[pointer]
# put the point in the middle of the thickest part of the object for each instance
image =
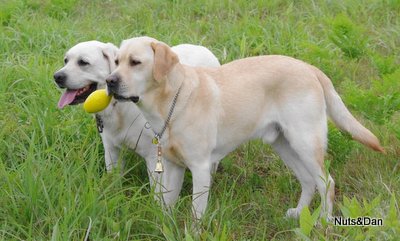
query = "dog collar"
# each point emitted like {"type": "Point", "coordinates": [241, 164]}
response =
{"type": "Point", "coordinates": [99, 124]}
{"type": "Point", "coordinates": [158, 136]}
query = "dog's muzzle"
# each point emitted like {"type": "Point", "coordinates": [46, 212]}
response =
{"type": "Point", "coordinates": [112, 84]}
{"type": "Point", "coordinates": [60, 78]}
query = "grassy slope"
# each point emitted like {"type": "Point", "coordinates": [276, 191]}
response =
{"type": "Point", "coordinates": [51, 163]}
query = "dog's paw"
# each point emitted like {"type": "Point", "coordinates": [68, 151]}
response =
{"type": "Point", "coordinates": [293, 213]}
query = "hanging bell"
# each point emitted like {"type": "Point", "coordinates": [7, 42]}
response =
{"type": "Point", "coordinates": [159, 167]}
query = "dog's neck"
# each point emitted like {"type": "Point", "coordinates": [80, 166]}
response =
{"type": "Point", "coordinates": [156, 103]}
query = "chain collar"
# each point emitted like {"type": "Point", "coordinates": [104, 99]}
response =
{"type": "Point", "coordinates": [158, 136]}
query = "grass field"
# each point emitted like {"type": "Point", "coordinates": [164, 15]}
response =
{"type": "Point", "coordinates": [53, 184]}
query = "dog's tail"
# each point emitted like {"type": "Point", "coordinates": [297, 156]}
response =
{"type": "Point", "coordinates": [342, 117]}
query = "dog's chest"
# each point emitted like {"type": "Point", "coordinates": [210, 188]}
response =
{"type": "Point", "coordinates": [173, 152]}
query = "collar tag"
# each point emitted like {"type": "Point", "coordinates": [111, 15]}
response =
{"type": "Point", "coordinates": [155, 140]}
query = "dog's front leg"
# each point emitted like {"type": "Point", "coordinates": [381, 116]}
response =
{"type": "Point", "coordinates": [111, 154]}
{"type": "Point", "coordinates": [201, 175]}
{"type": "Point", "coordinates": [172, 180]}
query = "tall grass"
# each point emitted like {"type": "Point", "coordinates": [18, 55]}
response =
{"type": "Point", "coordinates": [53, 183]}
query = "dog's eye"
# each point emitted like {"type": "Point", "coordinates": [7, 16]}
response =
{"type": "Point", "coordinates": [116, 62]}
{"type": "Point", "coordinates": [82, 62]}
{"type": "Point", "coordinates": [134, 62]}
{"type": "Point", "coordinates": [65, 61]}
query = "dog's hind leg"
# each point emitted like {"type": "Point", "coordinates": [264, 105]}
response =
{"type": "Point", "coordinates": [292, 160]}
{"type": "Point", "coordinates": [309, 142]}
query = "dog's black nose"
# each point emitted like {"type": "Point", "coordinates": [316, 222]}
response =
{"type": "Point", "coordinates": [112, 82]}
{"type": "Point", "coordinates": [60, 78]}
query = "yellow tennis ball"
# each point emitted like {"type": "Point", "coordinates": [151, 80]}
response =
{"type": "Point", "coordinates": [97, 101]}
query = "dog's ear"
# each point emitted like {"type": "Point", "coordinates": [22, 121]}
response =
{"type": "Point", "coordinates": [164, 60]}
{"type": "Point", "coordinates": [110, 52]}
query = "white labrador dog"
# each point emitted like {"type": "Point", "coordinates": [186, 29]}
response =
{"type": "Point", "coordinates": [87, 65]}
{"type": "Point", "coordinates": [279, 99]}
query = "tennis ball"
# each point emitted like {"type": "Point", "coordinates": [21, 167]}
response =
{"type": "Point", "coordinates": [97, 101]}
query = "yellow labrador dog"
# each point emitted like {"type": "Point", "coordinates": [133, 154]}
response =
{"type": "Point", "coordinates": [87, 65]}
{"type": "Point", "coordinates": [279, 99]}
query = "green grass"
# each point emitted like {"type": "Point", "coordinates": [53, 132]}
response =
{"type": "Point", "coordinates": [52, 174]}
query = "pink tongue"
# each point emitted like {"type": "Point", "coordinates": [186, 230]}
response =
{"type": "Point", "coordinates": [67, 98]}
